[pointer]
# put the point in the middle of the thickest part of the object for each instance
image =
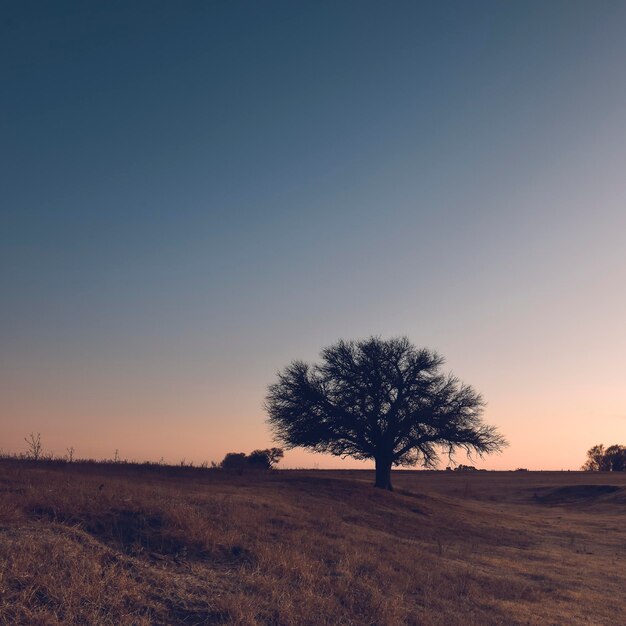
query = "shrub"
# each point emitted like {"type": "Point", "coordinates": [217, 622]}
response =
{"type": "Point", "coordinates": [257, 459]}
{"type": "Point", "coordinates": [234, 461]}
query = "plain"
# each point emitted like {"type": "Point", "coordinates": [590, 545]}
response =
{"type": "Point", "coordinates": [118, 544]}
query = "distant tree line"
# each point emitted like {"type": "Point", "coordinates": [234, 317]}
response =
{"type": "Point", "coordinates": [464, 468]}
{"type": "Point", "coordinates": [260, 459]}
{"type": "Point", "coordinates": [601, 459]}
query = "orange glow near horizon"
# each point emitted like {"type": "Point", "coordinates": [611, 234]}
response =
{"type": "Point", "coordinates": [546, 431]}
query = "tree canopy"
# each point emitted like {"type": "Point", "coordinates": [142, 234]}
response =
{"type": "Point", "coordinates": [379, 399]}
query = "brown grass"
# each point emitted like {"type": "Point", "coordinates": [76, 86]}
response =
{"type": "Point", "coordinates": [102, 545]}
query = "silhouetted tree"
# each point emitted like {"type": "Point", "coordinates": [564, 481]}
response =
{"type": "Point", "coordinates": [615, 458]}
{"type": "Point", "coordinates": [601, 459]}
{"type": "Point", "coordinates": [234, 461]}
{"type": "Point", "coordinates": [595, 458]}
{"type": "Point", "coordinates": [265, 459]}
{"type": "Point", "coordinates": [35, 447]}
{"type": "Point", "coordinates": [257, 459]}
{"type": "Point", "coordinates": [378, 399]}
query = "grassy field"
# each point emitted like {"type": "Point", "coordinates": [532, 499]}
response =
{"type": "Point", "coordinates": [124, 545]}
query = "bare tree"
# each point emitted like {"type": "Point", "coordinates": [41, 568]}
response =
{"type": "Point", "coordinates": [35, 449]}
{"type": "Point", "coordinates": [379, 399]}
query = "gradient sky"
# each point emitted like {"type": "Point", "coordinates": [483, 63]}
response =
{"type": "Point", "coordinates": [193, 194]}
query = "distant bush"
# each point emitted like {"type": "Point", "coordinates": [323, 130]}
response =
{"type": "Point", "coordinates": [465, 468]}
{"type": "Point", "coordinates": [234, 461]}
{"type": "Point", "coordinates": [521, 469]}
{"type": "Point", "coordinates": [257, 459]}
{"type": "Point", "coordinates": [265, 459]}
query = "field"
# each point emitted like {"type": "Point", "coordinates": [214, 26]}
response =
{"type": "Point", "coordinates": [91, 544]}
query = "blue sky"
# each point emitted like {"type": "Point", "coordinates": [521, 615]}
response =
{"type": "Point", "coordinates": [195, 194]}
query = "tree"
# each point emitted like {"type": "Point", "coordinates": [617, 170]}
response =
{"type": "Point", "coordinates": [378, 399]}
{"type": "Point", "coordinates": [601, 459]}
{"type": "Point", "coordinates": [595, 459]}
{"type": "Point", "coordinates": [265, 459]}
{"type": "Point", "coordinates": [615, 458]}
{"type": "Point", "coordinates": [35, 448]}
{"type": "Point", "coordinates": [234, 461]}
{"type": "Point", "coordinates": [257, 459]}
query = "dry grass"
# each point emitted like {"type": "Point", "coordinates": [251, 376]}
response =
{"type": "Point", "coordinates": [102, 545]}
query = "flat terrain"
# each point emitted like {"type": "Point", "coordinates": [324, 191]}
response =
{"type": "Point", "coordinates": [96, 544]}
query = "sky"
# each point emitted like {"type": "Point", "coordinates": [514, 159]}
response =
{"type": "Point", "coordinates": [194, 194]}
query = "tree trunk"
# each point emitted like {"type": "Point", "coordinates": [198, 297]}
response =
{"type": "Point", "coordinates": [383, 474]}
